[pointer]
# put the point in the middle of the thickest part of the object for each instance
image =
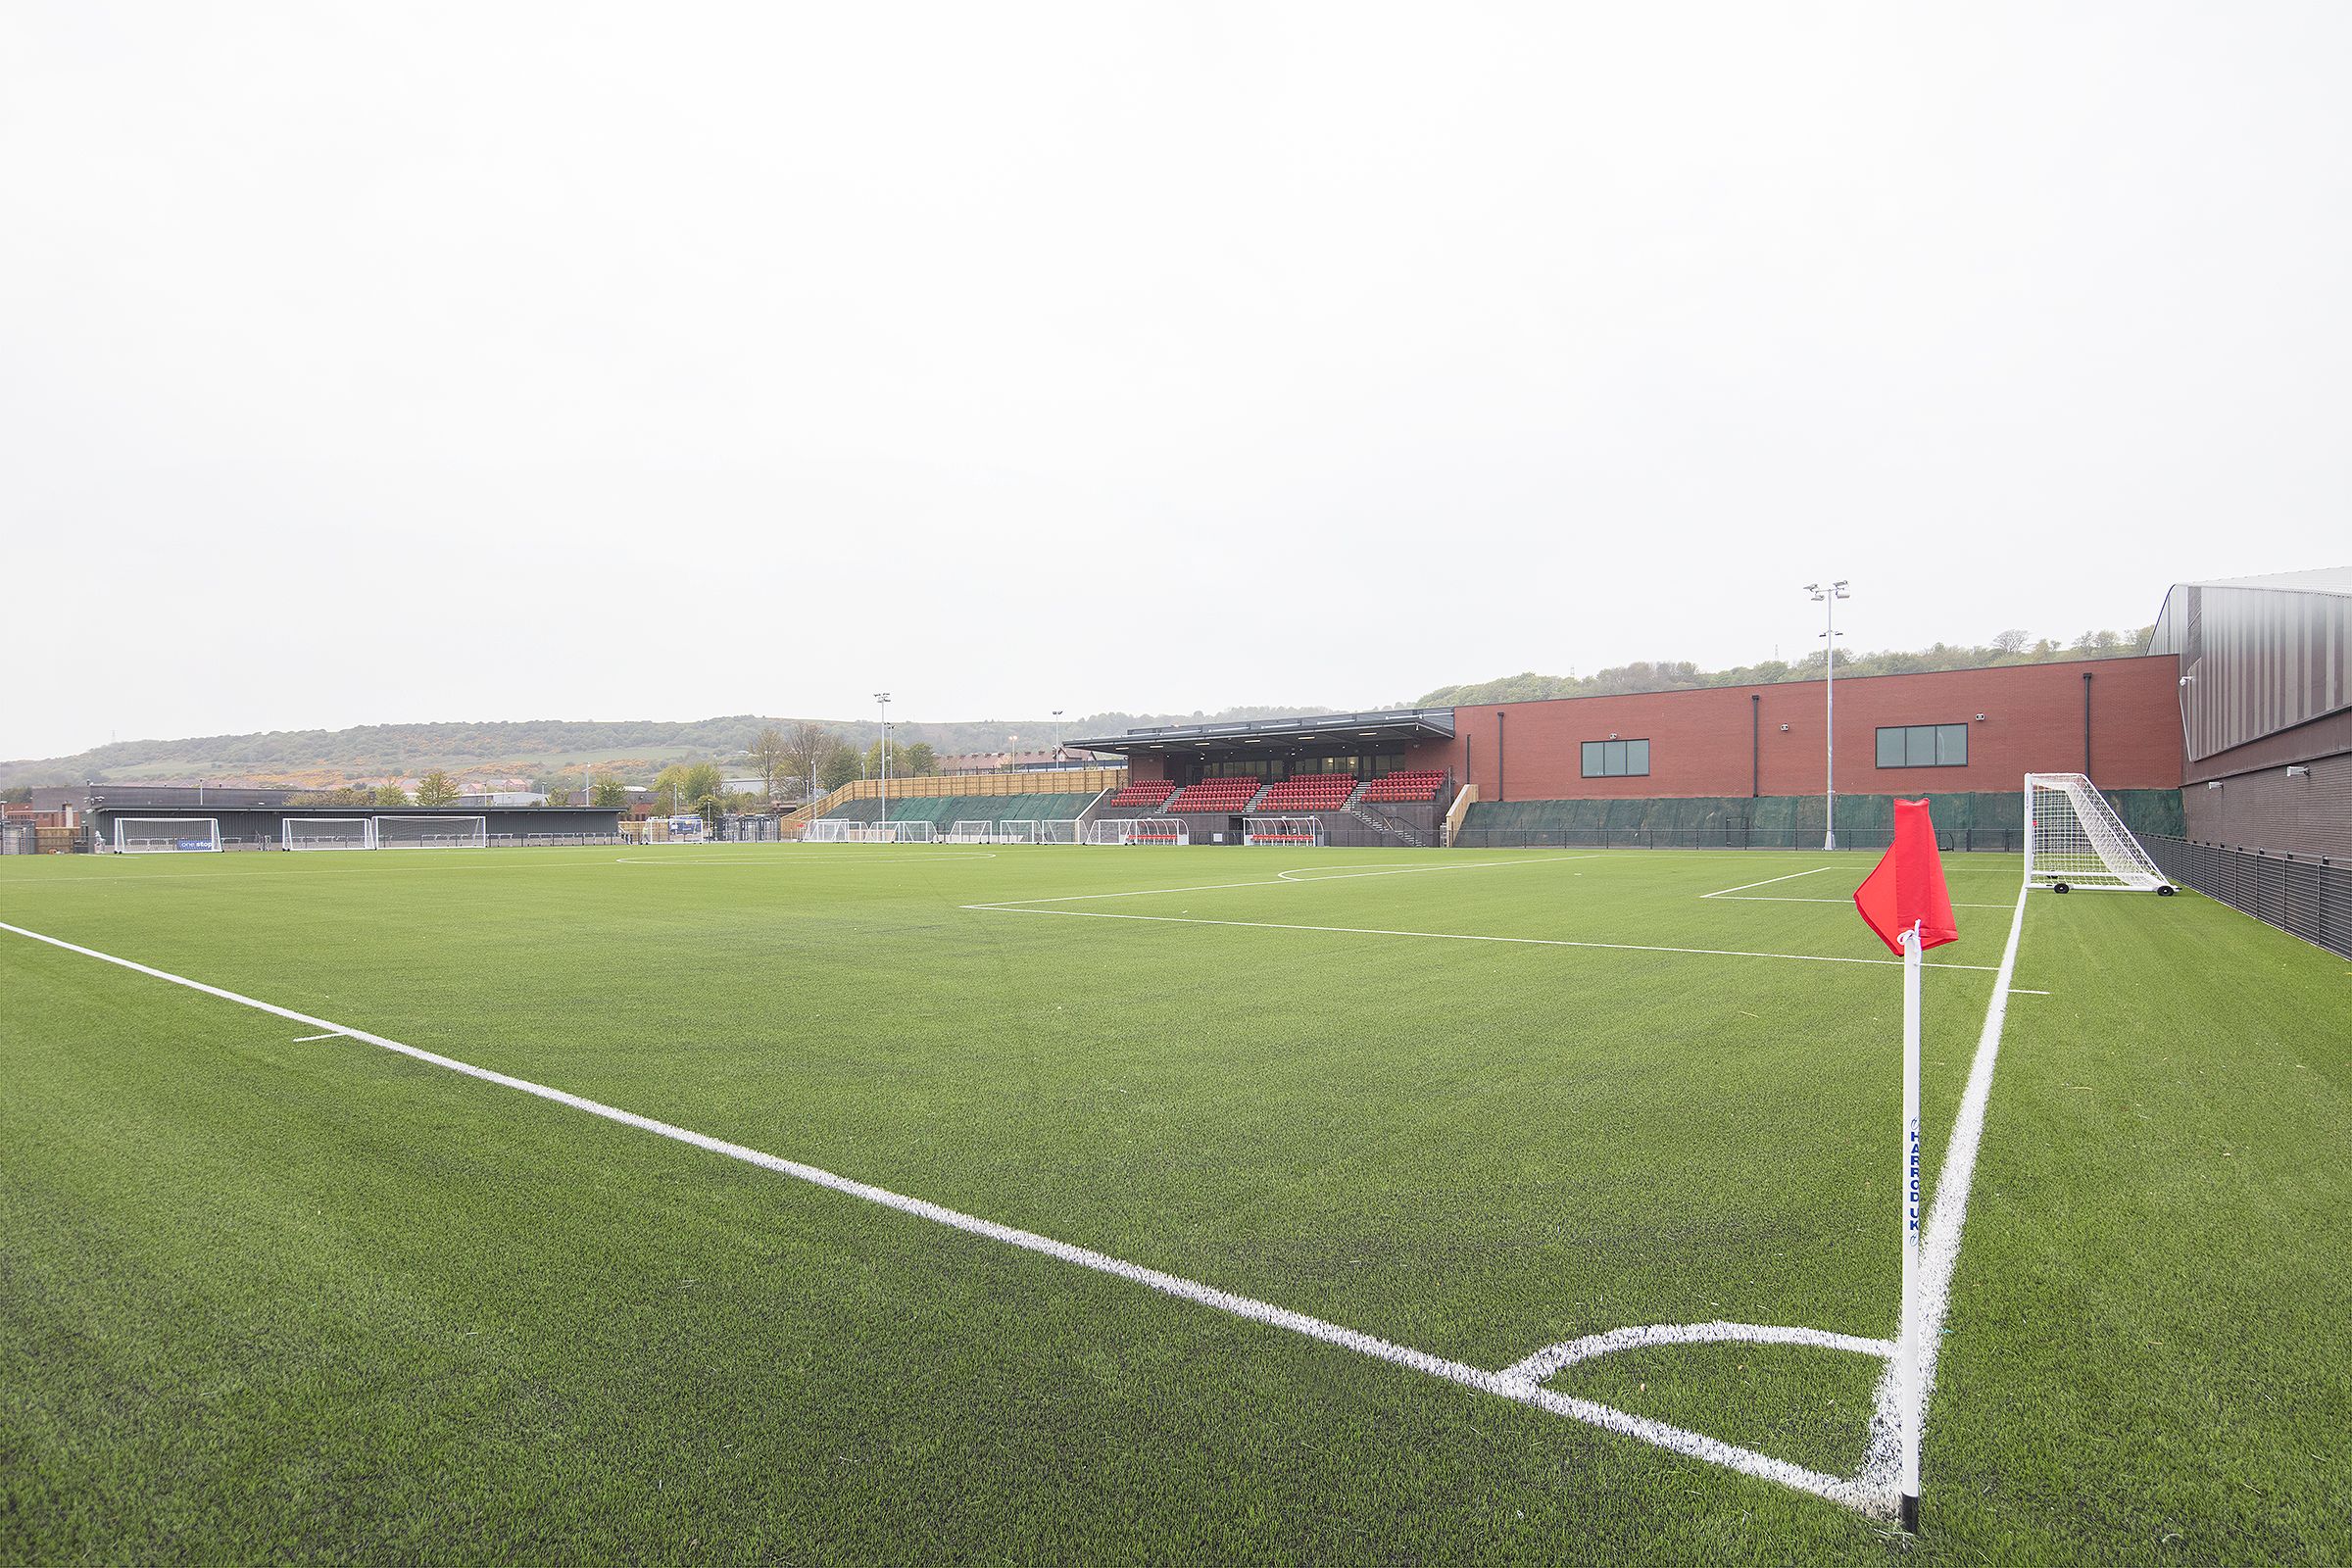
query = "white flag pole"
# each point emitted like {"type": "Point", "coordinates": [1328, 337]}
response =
{"type": "Point", "coordinates": [1908, 1347]}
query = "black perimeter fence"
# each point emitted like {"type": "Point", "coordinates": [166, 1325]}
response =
{"type": "Point", "coordinates": [2305, 896]}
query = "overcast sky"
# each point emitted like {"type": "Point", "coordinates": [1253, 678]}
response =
{"type": "Point", "coordinates": [403, 361]}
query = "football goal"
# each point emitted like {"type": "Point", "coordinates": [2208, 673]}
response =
{"type": "Point", "coordinates": [166, 835]}
{"type": "Point", "coordinates": [825, 830]}
{"type": "Point", "coordinates": [432, 833]}
{"type": "Point", "coordinates": [893, 833]}
{"type": "Point", "coordinates": [2074, 840]}
{"type": "Point", "coordinates": [1151, 830]}
{"type": "Point", "coordinates": [1057, 830]}
{"type": "Point", "coordinates": [1282, 830]}
{"type": "Point", "coordinates": [971, 832]}
{"type": "Point", "coordinates": [328, 833]}
{"type": "Point", "coordinates": [1019, 831]}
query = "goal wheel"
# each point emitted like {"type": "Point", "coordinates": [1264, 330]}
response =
{"type": "Point", "coordinates": [2164, 890]}
{"type": "Point", "coordinates": [2060, 887]}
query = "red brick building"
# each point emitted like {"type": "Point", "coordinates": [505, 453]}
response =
{"type": "Point", "coordinates": [2117, 719]}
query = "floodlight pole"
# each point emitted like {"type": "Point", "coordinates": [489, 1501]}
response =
{"type": "Point", "coordinates": [884, 699]}
{"type": "Point", "coordinates": [1828, 594]}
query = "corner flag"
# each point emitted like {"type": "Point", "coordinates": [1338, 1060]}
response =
{"type": "Point", "coordinates": [1903, 900]}
{"type": "Point", "coordinates": [1907, 888]}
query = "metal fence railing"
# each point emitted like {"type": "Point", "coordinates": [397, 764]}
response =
{"type": "Point", "coordinates": [2305, 896]}
{"type": "Point", "coordinates": [1992, 841]}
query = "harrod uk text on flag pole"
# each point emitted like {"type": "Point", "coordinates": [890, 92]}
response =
{"type": "Point", "coordinates": [1904, 901]}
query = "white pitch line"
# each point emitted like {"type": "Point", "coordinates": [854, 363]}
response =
{"type": "Point", "coordinates": [1853, 1494]}
{"type": "Point", "coordinates": [1280, 879]}
{"type": "Point", "coordinates": [1767, 882]}
{"type": "Point", "coordinates": [1940, 1247]}
{"type": "Point", "coordinates": [332, 1034]}
{"type": "Point", "coordinates": [1553, 1359]}
{"type": "Point", "coordinates": [1777, 897]}
{"type": "Point", "coordinates": [1457, 936]}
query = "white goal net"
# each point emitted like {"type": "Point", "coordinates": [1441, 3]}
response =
{"type": "Point", "coordinates": [328, 833]}
{"type": "Point", "coordinates": [1151, 830]}
{"type": "Point", "coordinates": [1282, 830]}
{"type": "Point", "coordinates": [971, 832]}
{"type": "Point", "coordinates": [825, 830]}
{"type": "Point", "coordinates": [2074, 840]}
{"type": "Point", "coordinates": [1057, 830]}
{"type": "Point", "coordinates": [430, 832]}
{"type": "Point", "coordinates": [166, 835]}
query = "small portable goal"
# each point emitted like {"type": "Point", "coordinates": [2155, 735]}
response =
{"type": "Point", "coordinates": [167, 835]}
{"type": "Point", "coordinates": [2074, 840]}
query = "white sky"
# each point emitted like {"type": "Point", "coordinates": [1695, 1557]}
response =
{"type": "Point", "coordinates": [397, 362]}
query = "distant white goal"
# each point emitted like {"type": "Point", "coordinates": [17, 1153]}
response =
{"type": "Point", "coordinates": [969, 831]}
{"type": "Point", "coordinates": [1293, 830]}
{"type": "Point", "coordinates": [167, 835]}
{"type": "Point", "coordinates": [2074, 840]}
{"type": "Point", "coordinates": [432, 833]}
{"type": "Point", "coordinates": [1057, 830]}
{"type": "Point", "coordinates": [328, 833]}
{"type": "Point", "coordinates": [892, 833]}
{"type": "Point", "coordinates": [1149, 830]}
{"type": "Point", "coordinates": [825, 830]}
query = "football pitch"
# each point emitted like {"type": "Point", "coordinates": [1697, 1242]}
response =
{"type": "Point", "coordinates": [881, 1203]}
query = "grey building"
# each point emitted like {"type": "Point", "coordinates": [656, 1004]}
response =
{"type": "Point", "coordinates": [2266, 709]}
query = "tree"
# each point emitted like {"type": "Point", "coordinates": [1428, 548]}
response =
{"type": "Point", "coordinates": [839, 766]}
{"type": "Point", "coordinates": [2012, 641]}
{"type": "Point", "coordinates": [806, 748]}
{"type": "Point", "coordinates": [921, 761]}
{"type": "Point", "coordinates": [391, 795]}
{"type": "Point", "coordinates": [612, 792]}
{"type": "Point", "coordinates": [436, 788]}
{"type": "Point", "coordinates": [709, 808]}
{"type": "Point", "coordinates": [681, 784]}
{"type": "Point", "coordinates": [770, 750]}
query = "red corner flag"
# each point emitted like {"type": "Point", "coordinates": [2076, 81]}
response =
{"type": "Point", "coordinates": [1907, 887]}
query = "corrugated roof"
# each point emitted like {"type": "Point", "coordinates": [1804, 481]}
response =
{"type": "Point", "coordinates": [2318, 580]}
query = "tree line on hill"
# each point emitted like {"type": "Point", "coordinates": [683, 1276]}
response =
{"type": "Point", "coordinates": [2012, 646]}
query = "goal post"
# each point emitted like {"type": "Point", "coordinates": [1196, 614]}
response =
{"type": "Point", "coordinates": [969, 830]}
{"type": "Point", "coordinates": [431, 832]}
{"type": "Point", "coordinates": [1016, 831]}
{"type": "Point", "coordinates": [1057, 830]}
{"type": "Point", "coordinates": [167, 835]}
{"type": "Point", "coordinates": [1293, 830]}
{"type": "Point", "coordinates": [328, 833]}
{"type": "Point", "coordinates": [2074, 840]}
{"type": "Point", "coordinates": [825, 830]}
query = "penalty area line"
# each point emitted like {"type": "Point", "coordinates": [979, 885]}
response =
{"type": "Point", "coordinates": [1863, 1495]}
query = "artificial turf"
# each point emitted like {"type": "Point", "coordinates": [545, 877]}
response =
{"type": "Point", "coordinates": [263, 1298]}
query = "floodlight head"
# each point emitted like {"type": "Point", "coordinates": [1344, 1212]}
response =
{"type": "Point", "coordinates": [2298, 773]}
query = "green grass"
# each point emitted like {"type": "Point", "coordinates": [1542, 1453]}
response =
{"type": "Point", "coordinates": [261, 1298]}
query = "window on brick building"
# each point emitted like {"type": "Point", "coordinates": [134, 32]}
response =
{"type": "Point", "coordinates": [1616, 758]}
{"type": "Point", "coordinates": [1923, 746]}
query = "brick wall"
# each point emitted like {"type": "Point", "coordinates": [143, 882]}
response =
{"type": "Point", "coordinates": [1767, 740]}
